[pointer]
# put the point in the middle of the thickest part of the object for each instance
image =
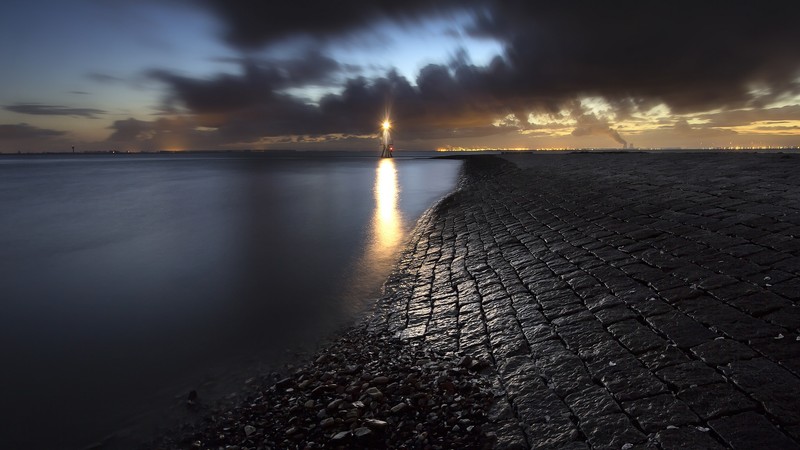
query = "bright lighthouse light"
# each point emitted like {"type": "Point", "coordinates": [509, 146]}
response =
{"type": "Point", "coordinates": [386, 124]}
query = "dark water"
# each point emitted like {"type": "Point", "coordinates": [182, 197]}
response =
{"type": "Point", "coordinates": [126, 281]}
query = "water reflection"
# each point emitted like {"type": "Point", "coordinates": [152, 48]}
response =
{"type": "Point", "coordinates": [383, 239]}
{"type": "Point", "coordinates": [386, 222]}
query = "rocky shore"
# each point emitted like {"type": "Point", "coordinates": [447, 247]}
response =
{"type": "Point", "coordinates": [363, 390]}
{"type": "Point", "coordinates": [604, 301]}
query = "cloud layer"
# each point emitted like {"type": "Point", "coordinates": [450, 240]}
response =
{"type": "Point", "coordinates": [52, 110]}
{"type": "Point", "coordinates": [691, 57]}
{"type": "Point", "coordinates": [711, 67]}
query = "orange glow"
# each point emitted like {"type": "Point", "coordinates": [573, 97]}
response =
{"type": "Point", "coordinates": [386, 124]}
{"type": "Point", "coordinates": [386, 224]}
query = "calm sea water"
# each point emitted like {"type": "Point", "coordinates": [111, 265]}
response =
{"type": "Point", "coordinates": [126, 281]}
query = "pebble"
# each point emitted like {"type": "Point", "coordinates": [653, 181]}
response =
{"type": "Point", "coordinates": [340, 436]}
{"type": "Point", "coordinates": [358, 396]}
{"type": "Point", "coordinates": [398, 408]}
{"type": "Point", "coordinates": [381, 380]}
{"type": "Point", "coordinates": [362, 433]}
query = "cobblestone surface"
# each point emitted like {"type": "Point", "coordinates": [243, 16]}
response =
{"type": "Point", "coordinates": [623, 300]}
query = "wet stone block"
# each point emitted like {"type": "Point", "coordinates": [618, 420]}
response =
{"type": "Point", "coordinates": [651, 306]}
{"type": "Point", "coordinates": [575, 445]}
{"type": "Point", "coordinates": [714, 400]}
{"type": "Point", "coordinates": [751, 431]}
{"type": "Point", "coordinates": [614, 314]}
{"type": "Point", "coordinates": [660, 358]}
{"type": "Point", "coordinates": [583, 334]}
{"type": "Point", "coordinates": [554, 311]}
{"type": "Point", "coordinates": [538, 333]}
{"type": "Point", "coordinates": [592, 401]}
{"type": "Point", "coordinates": [660, 411]}
{"type": "Point", "coordinates": [509, 348]}
{"type": "Point", "coordinates": [611, 431]}
{"type": "Point", "coordinates": [544, 348]}
{"type": "Point", "coordinates": [529, 313]}
{"type": "Point", "coordinates": [793, 431]}
{"type": "Point", "coordinates": [675, 295]}
{"type": "Point", "coordinates": [760, 303]}
{"type": "Point", "coordinates": [736, 290]}
{"type": "Point", "coordinates": [538, 404]}
{"type": "Point", "coordinates": [777, 389]}
{"type": "Point", "coordinates": [631, 384]}
{"type": "Point", "coordinates": [681, 329]}
{"type": "Point", "coordinates": [516, 366]}
{"type": "Point", "coordinates": [581, 280]}
{"type": "Point", "coordinates": [715, 281]}
{"type": "Point", "coordinates": [509, 435]}
{"type": "Point", "coordinates": [698, 303]}
{"type": "Point", "coordinates": [503, 326]}
{"type": "Point", "coordinates": [556, 298]}
{"type": "Point", "coordinates": [723, 351]}
{"type": "Point", "coordinates": [769, 276]}
{"type": "Point", "coordinates": [690, 374]}
{"type": "Point", "coordinates": [789, 289]}
{"type": "Point", "coordinates": [554, 432]}
{"type": "Point", "coordinates": [636, 337]}
{"type": "Point", "coordinates": [788, 317]}
{"type": "Point", "coordinates": [665, 283]}
{"type": "Point", "coordinates": [735, 323]}
{"type": "Point", "coordinates": [687, 438]}
{"type": "Point", "coordinates": [601, 302]}
{"type": "Point", "coordinates": [754, 374]}
{"type": "Point", "coordinates": [561, 368]}
{"type": "Point", "coordinates": [780, 347]}
{"type": "Point", "coordinates": [412, 332]}
{"type": "Point", "coordinates": [604, 354]}
{"type": "Point", "coordinates": [793, 365]}
{"type": "Point", "coordinates": [691, 273]}
{"type": "Point", "coordinates": [592, 291]}
{"type": "Point", "coordinates": [574, 318]}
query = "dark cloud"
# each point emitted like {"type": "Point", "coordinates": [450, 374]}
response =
{"type": "Point", "coordinates": [254, 87]}
{"type": "Point", "coordinates": [692, 56]}
{"type": "Point", "coordinates": [53, 110]}
{"type": "Point", "coordinates": [25, 131]}
{"type": "Point", "coordinates": [250, 24]}
{"type": "Point", "coordinates": [251, 105]}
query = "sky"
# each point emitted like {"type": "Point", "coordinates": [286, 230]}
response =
{"type": "Point", "coordinates": [147, 75]}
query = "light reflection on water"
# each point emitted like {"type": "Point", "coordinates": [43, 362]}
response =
{"type": "Point", "coordinates": [386, 231]}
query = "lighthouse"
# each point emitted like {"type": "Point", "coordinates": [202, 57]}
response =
{"type": "Point", "coordinates": [387, 147]}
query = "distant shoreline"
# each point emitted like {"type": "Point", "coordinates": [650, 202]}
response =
{"type": "Point", "coordinates": [402, 153]}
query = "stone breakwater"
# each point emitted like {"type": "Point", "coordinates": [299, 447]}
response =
{"type": "Point", "coordinates": [622, 300]}
{"type": "Point", "coordinates": [603, 301]}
